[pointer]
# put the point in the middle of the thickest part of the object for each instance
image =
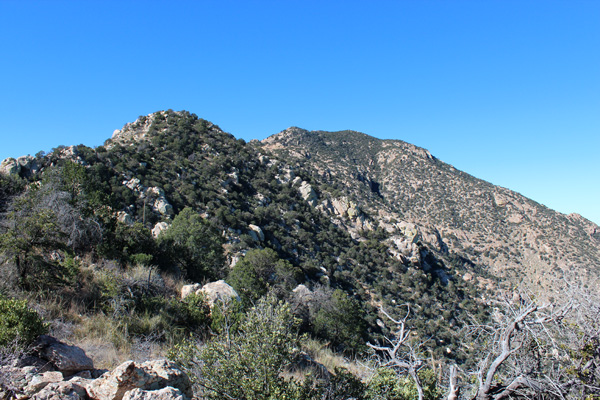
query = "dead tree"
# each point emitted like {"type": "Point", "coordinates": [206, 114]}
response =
{"type": "Point", "coordinates": [504, 372]}
{"type": "Point", "coordinates": [400, 354]}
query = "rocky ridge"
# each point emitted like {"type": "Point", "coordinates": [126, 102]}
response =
{"type": "Point", "coordinates": [395, 184]}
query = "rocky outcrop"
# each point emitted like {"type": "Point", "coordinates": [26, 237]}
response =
{"type": "Point", "coordinates": [256, 233]}
{"type": "Point", "coordinates": [148, 376]}
{"type": "Point", "coordinates": [159, 228]}
{"type": "Point", "coordinates": [153, 196]}
{"type": "Point", "coordinates": [157, 379]}
{"type": "Point", "coordinates": [24, 166]}
{"type": "Point", "coordinates": [186, 290]}
{"type": "Point", "coordinates": [40, 381]}
{"type": "Point", "coordinates": [308, 193]}
{"type": "Point", "coordinates": [61, 391]}
{"type": "Point", "coordinates": [125, 218]}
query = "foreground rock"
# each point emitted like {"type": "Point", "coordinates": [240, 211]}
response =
{"type": "Point", "coordinates": [61, 391]}
{"type": "Point", "coordinates": [67, 359]}
{"type": "Point", "coordinates": [168, 393]}
{"type": "Point", "coordinates": [148, 376]}
{"type": "Point", "coordinates": [71, 377]}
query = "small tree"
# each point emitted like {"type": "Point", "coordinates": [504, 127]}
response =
{"type": "Point", "coordinates": [247, 364]}
{"type": "Point", "coordinates": [193, 246]}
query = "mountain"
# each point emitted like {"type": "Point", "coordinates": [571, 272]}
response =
{"type": "Point", "coordinates": [503, 232]}
{"type": "Point", "coordinates": [356, 222]}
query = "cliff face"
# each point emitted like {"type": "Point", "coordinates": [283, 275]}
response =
{"type": "Point", "coordinates": [395, 183]}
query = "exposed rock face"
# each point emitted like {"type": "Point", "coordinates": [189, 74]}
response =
{"type": "Point", "coordinates": [25, 165]}
{"type": "Point", "coordinates": [150, 375]}
{"type": "Point", "coordinates": [9, 167]}
{"type": "Point", "coordinates": [159, 228]}
{"type": "Point", "coordinates": [157, 379]}
{"type": "Point", "coordinates": [444, 209]}
{"type": "Point", "coordinates": [67, 359]}
{"type": "Point", "coordinates": [256, 233]}
{"type": "Point", "coordinates": [213, 291]}
{"type": "Point", "coordinates": [160, 203]}
{"type": "Point", "coordinates": [154, 196]}
{"type": "Point", "coordinates": [307, 192]}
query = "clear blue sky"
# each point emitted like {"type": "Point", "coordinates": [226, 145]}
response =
{"type": "Point", "coordinates": [508, 91]}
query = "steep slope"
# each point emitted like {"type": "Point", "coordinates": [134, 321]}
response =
{"type": "Point", "coordinates": [154, 168]}
{"type": "Point", "coordinates": [493, 227]}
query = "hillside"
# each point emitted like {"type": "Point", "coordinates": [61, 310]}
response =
{"type": "Point", "coordinates": [500, 230]}
{"type": "Point", "coordinates": [339, 231]}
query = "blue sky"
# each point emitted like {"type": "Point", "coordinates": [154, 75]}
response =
{"type": "Point", "coordinates": [508, 91]}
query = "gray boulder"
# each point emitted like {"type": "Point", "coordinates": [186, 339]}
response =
{"type": "Point", "coordinates": [61, 391]}
{"type": "Point", "coordinates": [67, 359]}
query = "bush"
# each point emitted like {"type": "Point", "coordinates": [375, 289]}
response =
{"type": "Point", "coordinates": [249, 363]}
{"type": "Point", "coordinates": [387, 385]}
{"type": "Point", "coordinates": [18, 322]}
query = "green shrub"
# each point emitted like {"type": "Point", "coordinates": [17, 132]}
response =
{"type": "Point", "coordinates": [18, 322]}
{"type": "Point", "coordinates": [387, 385]}
{"type": "Point", "coordinates": [191, 314]}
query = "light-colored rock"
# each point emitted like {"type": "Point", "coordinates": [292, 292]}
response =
{"type": "Point", "coordinates": [186, 290]}
{"type": "Point", "coordinates": [133, 184]}
{"type": "Point", "coordinates": [40, 381]}
{"type": "Point", "coordinates": [256, 233]}
{"type": "Point", "coordinates": [219, 291]}
{"type": "Point", "coordinates": [160, 203]}
{"type": "Point", "coordinates": [308, 193]}
{"type": "Point", "coordinates": [66, 358]}
{"type": "Point", "coordinates": [125, 218]}
{"type": "Point", "coordinates": [302, 293]}
{"type": "Point", "coordinates": [410, 231]}
{"type": "Point", "coordinates": [167, 393]}
{"type": "Point", "coordinates": [61, 391]}
{"type": "Point", "coordinates": [150, 375]}
{"type": "Point", "coordinates": [10, 166]}
{"type": "Point", "coordinates": [159, 228]}
{"type": "Point", "coordinates": [345, 207]}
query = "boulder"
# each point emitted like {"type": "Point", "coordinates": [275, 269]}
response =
{"type": "Point", "coordinates": [308, 193]}
{"type": "Point", "coordinates": [167, 393]}
{"type": "Point", "coordinates": [159, 228]}
{"type": "Point", "coordinates": [150, 375]}
{"type": "Point", "coordinates": [186, 290]}
{"type": "Point", "coordinates": [67, 359]}
{"type": "Point", "coordinates": [256, 233]}
{"type": "Point", "coordinates": [125, 218]}
{"type": "Point", "coordinates": [40, 381]}
{"type": "Point", "coordinates": [61, 391]}
{"type": "Point", "coordinates": [219, 290]}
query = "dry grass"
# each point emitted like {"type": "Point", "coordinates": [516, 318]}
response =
{"type": "Point", "coordinates": [322, 354]}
